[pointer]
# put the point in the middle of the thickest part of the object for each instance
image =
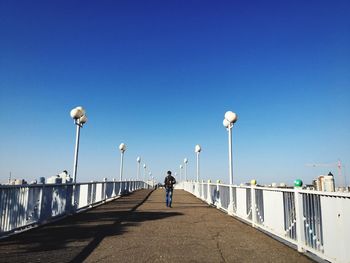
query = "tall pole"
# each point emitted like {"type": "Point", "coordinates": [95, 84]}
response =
{"type": "Point", "coordinates": [197, 166]}
{"type": "Point", "coordinates": [230, 207]}
{"type": "Point", "coordinates": [229, 120]}
{"type": "Point", "coordinates": [185, 171]}
{"type": "Point", "coordinates": [75, 167]}
{"type": "Point", "coordinates": [79, 116]}
{"type": "Point", "coordinates": [230, 153]}
{"type": "Point", "coordinates": [138, 171]}
{"type": "Point", "coordinates": [138, 160]}
{"type": "Point", "coordinates": [121, 166]}
{"type": "Point", "coordinates": [180, 172]}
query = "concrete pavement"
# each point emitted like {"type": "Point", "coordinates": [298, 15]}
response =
{"type": "Point", "coordinates": [140, 228]}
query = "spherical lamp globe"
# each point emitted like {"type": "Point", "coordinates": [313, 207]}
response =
{"type": "Point", "coordinates": [226, 123]}
{"type": "Point", "coordinates": [76, 113]}
{"type": "Point", "coordinates": [81, 109]}
{"type": "Point", "coordinates": [231, 116]}
{"type": "Point", "coordinates": [122, 147]}
{"type": "Point", "coordinates": [83, 119]}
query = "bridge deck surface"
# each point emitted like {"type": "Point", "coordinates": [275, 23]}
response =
{"type": "Point", "coordinates": [139, 228]}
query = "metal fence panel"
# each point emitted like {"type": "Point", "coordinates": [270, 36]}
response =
{"type": "Point", "coordinates": [336, 236]}
{"type": "Point", "coordinates": [241, 202]}
{"type": "Point", "coordinates": [289, 215]}
{"type": "Point", "coordinates": [273, 213]}
{"type": "Point", "coordinates": [315, 221]}
{"type": "Point", "coordinates": [25, 205]}
{"type": "Point", "coordinates": [224, 196]}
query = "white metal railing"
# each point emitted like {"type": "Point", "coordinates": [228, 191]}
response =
{"type": "Point", "coordinates": [317, 222]}
{"type": "Point", "coordinates": [23, 206]}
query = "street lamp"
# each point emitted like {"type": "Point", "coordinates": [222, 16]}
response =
{"type": "Point", "coordinates": [122, 148]}
{"type": "Point", "coordinates": [228, 122]}
{"type": "Point", "coordinates": [181, 166]}
{"type": "Point", "coordinates": [185, 162]}
{"type": "Point", "coordinates": [79, 116]}
{"type": "Point", "coordinates": [138, 160]}
{"type": "Point", "coordinates": [197, 150]}
{"type": "Point", "coordinates": [144, 167]}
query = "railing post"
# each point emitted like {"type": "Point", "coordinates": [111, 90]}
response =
{"type": "Point", "coordinates": [230, 206]}
{"type": "Point", "coordinates": [299, 216]}
{"type": "Point", "coordinates": [113, 193]}
{"type": "Point", "coordinates": [202, 194]}
{"type": "Point", "coordinates": [209, 201]}
{"type": "Point", "coordinates": [218, 201]}
{"type": "Point", "coordinates": [42, 200]}
{"type": "Point", "coordinates": [105, 192]}
{"type": "Point", "coordinates": [253, 205]}
{"type": "Point", "coordinates": [198, 189]}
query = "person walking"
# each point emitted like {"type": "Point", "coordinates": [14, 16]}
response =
{"type": "Point", "coordinates": [169, 182]}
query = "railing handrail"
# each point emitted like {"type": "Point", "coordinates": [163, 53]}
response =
{"type": "Point", "coordinates": [62, 184]}
{"type": "Point", "coordinates": [282, 189]}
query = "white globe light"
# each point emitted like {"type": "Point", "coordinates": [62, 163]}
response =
{"type": "Point", "coordinates": [197, 149]}
{"type": "Point", "coordinates": [83, 119]}
{"type": "Point", "coordinates": [82, 110]}
{"type": "Point", "coordinates": [181, 166]}
{"type": "Point", "coordinates": [76, 113]}
{"type": "Point", "coordinates": [226, 123]}
{"type": "Point", "coordinates": [185, 160]}
{"type": "Point", "coordinates": [122, 147]}
{"type": "Point", "coordinates": [144, 166]}
{"type": "Point", "coordinates": [138, 159]}
{"type": "Point", "coordinates": [231, 116]}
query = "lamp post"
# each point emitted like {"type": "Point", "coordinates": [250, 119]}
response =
{"type": "Point", "coordinates": [138, 160]}
{"type": "Point", "coordinates": [144, 167]}
{"type": "Point", "coordinates": [181, 166]}
{"type": "Point", "coordinates": [185, 162]}
{"type": "Point", "coordinates": [197, 150]}
{"type": "Point", "coordinates": [228, 122]}
{"type": "Point", "coordinates": [79, 117]}
{"type": "Point", "coordinates": [122, 148]}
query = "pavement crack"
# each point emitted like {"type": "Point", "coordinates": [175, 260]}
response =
{"type": "Point", "coordinates": [216, 238]}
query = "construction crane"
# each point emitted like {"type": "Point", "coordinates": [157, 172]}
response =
{"type": "Point", "coordinates": [337, 164]}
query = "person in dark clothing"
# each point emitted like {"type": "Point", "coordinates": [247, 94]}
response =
{"type": "Point", "coordinates": [169, 187]}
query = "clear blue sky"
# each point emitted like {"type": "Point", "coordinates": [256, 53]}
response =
{"type": "Point", "coordinates": [159, 76]}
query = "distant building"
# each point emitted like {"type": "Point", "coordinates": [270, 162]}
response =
{"type": "Point", "coordinates": [61, 178]}
{"type": "Point", "coordinates": [17, 182]}
{"type": "Point", "coordinates": [324, 183]}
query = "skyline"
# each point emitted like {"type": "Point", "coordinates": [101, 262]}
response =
{"type": "Point", "coordinates": [159, 77]}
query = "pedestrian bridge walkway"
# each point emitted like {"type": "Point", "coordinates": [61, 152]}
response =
{"type": "Point", "coordinates": [140, 228]}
